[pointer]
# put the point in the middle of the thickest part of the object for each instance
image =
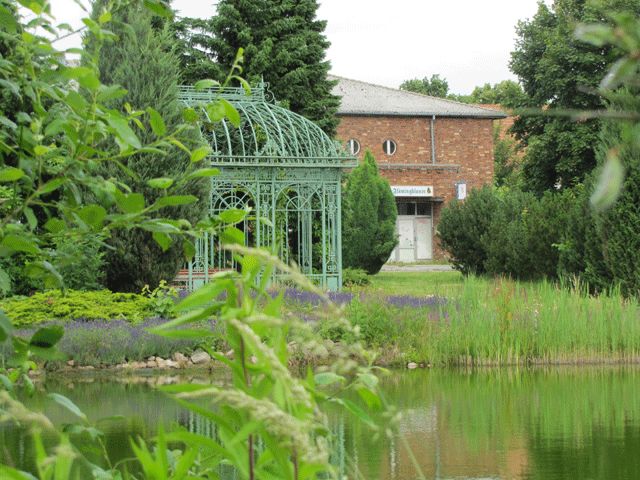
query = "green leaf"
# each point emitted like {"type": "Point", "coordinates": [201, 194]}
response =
{"type": "Point", "coordinates": [231, 113]}
{"type": "Point", "coordinates": [619, 72]}
{"type": "Point", "coordinates": [232, 235]}
{"type": "Point", "coordinates": [10, 174]}
{"type": "Point", "coordinates": [175, 200]}
{"type": "Point", "coordinates": [68, 404]}
{"type": "Point", "coordinates": [55, 225]}
{"type": "Point", "coordinates": [105, 17]}
{"type": "Point", "coordinates": [190, 115]}
{"type": "Point", "coordinates": [93, 215]}
{"type": "Point", "coordinates": [122, 130]}
{"type": "Point", "coordinates": [233, 215]}
{"type": "Point", "coordinates": [40, 150]}
{"type": "Point", "coordinates": [20, 244]}
{"type": "Point", "coordinates": [368, 379]}
{"type": "Point", "coordinates": [596, 34]}
{"type": "Point", "coordinates": [130, 202]}
{"type": "Point", "coordinates": [200, 153]}
{"type": "Point", "coordinates": [163, 240]}
{"type": "Point", "coordinates": [43, 270]}
{"type": "Point", "coordinates": [77, 102]}
{"type": "Point", "coordinates": [47, 337]}
{"type": "Point", "coordinates": [159, 7]}
{"type": "Point", "coordinates": [8, 20]}
{"type": "Point", "coordinates": [5, 325]}
{"type": "Point", "coordinates": [31, 218]}
{"type": "Point", "coordinates": [206, 84]}
{"type": "Point", "coordinates": [215, 111]}
{"type": "Point", "coordinates": [207, 293]}
{"type": "Point", "coordinates": [161, 183]}
{"type": "Point", "coordinates": [9, 473]}
{"type": "Point", "coordinates": [51, 185]}
{"type": "Point", "coordinates": [609, 184]}
{"type": "Point", "coordinates": [111, 92]}
{"type": "Point", "coordinates": [328, 378]}
{"type": "Point", "coordinates": [204, 172]}
{"type": "Point", "coordinates": [157, 123]}
{"type": "Point", "coordinates": [189, 249]}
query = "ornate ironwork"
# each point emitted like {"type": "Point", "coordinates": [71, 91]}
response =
{"type": "Point", "coordinates": [288, 171]}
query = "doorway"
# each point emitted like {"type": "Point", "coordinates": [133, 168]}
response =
{"type": "Point", "coordinates": [414, 227]}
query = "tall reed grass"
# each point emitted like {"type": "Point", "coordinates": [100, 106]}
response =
{"type": "Point", "coordinates": [504, 322]}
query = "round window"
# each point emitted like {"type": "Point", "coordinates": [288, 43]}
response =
{"type": "Point", "coordinates": [354, 146]}
{"type": "Point", "coordinates": [389, 147]}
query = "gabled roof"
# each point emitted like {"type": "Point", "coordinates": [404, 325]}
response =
{"type": "Point", "coordinates": [361, 98]}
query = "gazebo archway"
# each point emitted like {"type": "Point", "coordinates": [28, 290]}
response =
{"type": "Point", "coordinates": [288, 170]}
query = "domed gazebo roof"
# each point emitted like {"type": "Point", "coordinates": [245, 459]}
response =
{"type": "Point", "coordinates": [267, 135]}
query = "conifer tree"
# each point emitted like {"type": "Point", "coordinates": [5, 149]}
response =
{"type": "Point", "coordinates": [283, 43]}
{"type": "Point", "coordinates": [142, 61]}
{"type": "Point", "coordinates": [369, 218]}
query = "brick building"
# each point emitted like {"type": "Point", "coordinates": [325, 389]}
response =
{"type": "Point", "coordinates": [430, 149]}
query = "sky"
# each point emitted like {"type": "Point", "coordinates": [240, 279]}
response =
{"type": "Point", "coordinates": [385, 42]}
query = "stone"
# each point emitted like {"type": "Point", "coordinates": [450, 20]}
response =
{"type": "Point", "coordinates": [200, 358]}
{"type": "Point", "coordinates": [171, 364]}
{"type": "Point", "coordinates": [412, 365]}
{"type": "Point", "coordinates": [150, 364]}
{"type": "Point", "coordinates": [161, 362]}
{"type": "Point", "coordinates": [229, 354]}
{"type": "Point", "coordinates": [71, 363]}
{"type": "Point", "coordinates": [180, 358]}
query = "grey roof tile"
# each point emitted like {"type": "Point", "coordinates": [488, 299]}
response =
{"type": "Point", "coordinates": [361, 98]}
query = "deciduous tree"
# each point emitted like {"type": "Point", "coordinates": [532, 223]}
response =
{"type": "Point", "coordinates": [435, 86]}
{"type": "Point", "coordinates": [560, 73]}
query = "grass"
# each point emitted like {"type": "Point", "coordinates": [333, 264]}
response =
{"type": "Point", "coordinates": [494, 322]}
{"type": "Point", "coordinates": [419, 284]}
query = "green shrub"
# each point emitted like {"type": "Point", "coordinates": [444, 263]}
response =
{"type": "Point", "coordinates": [81, 262]}
{"type": "Point", "coordinates": [461, 226]}
{"type": "Point", "coordinates": [355, 277]}
{"type": "Point", "coordinates": [524, 234]}
{"type": "Point", "coordinates": [509, 232]}
{"type": "Point", "coordinates": [70, 305]}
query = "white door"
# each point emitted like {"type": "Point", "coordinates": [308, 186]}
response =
{"type": "Point", "coordinates": [406, 240]}
{"type": "Point", "coordinates": [423, 238]}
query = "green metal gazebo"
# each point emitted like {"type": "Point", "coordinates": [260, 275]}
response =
{"type": "Point", "coordinates": [288, 171]}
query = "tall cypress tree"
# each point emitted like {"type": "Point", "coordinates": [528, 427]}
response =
{"type": "Point", "coordinates": [283, 43]}
{"type": "Point", "coordinates": [369, 218]}
{"type": "Point", "coordinates": [142, 60]}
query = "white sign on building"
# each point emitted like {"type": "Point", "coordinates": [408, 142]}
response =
{"type": "Point", "coordinates": [461, 191]}
{"type": "Point", "coordinates": [412, 190]}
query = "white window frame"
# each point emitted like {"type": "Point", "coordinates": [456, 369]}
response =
{"type": "Point", "coordinates": [387, 147]}
{"type": "Point", "coordinates": [353, 146]}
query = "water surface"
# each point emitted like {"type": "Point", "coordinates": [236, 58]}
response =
{"type": "Point", "coordinates": [551, 424]}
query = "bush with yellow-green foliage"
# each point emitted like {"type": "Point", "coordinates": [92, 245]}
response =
{"type": "Point", "coordinates": [72, 305]}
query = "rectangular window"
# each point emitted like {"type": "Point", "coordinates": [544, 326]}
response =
{"type": "Point", "coordinates": [406, 208]}
{"type": "Point", "coordinates": [424, 209]}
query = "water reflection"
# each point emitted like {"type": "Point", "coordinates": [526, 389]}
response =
{"type": "Point", "coordinates": [551, 424]}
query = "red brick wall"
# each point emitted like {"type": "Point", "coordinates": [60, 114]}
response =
{"type": "Point", "coordinates": [464, 152]}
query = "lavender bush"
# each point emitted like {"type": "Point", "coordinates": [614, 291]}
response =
{"type": "Point", "coordinates": [109, 342]}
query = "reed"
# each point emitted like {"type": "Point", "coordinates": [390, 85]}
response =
{"type": "Point", "coordinates": [503, 322]}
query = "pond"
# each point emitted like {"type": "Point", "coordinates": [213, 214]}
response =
{"type": "Point", "coordinates": [552, 423]}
